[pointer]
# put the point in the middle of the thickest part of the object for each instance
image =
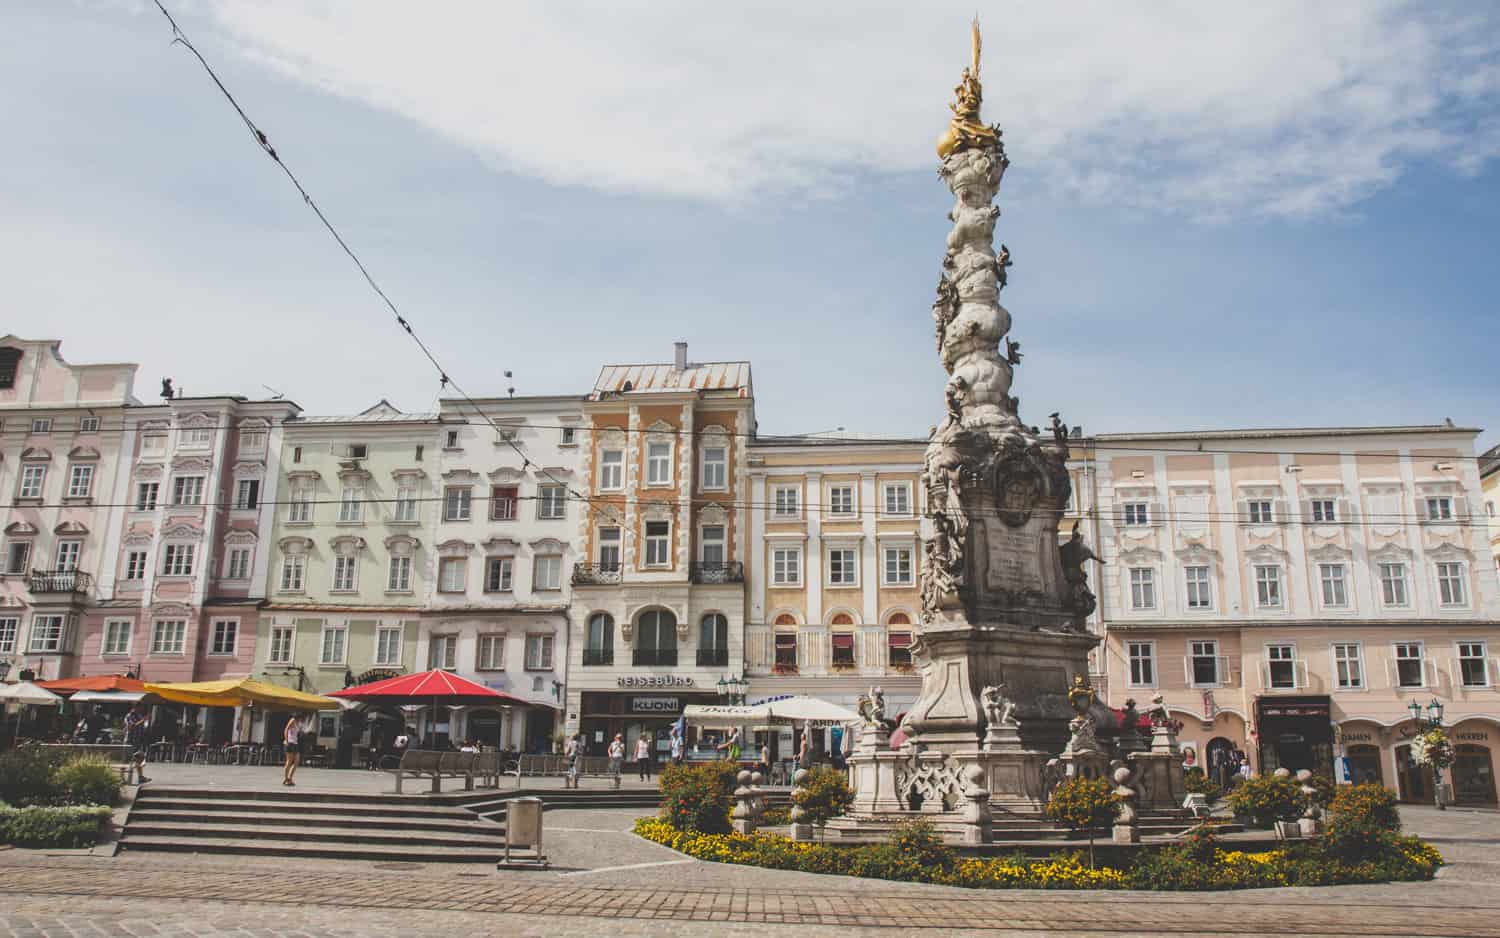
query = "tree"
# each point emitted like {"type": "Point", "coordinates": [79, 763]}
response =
{"type": "Point", "coordinates": [1083, 804]}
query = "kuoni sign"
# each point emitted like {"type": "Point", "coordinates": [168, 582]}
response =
{"type": "Point", "coordinates": [654, 705]}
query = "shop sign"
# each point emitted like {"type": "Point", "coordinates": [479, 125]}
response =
{"type": "Point", "coordinates": [1294, 710]}
{"type": "Point", "coordinates": [654, 705]}
{"type": "Point", "coordinates": [655, 680]}
{"type": "Point", "coordinates": [1475, 737]}
{"type": "Point", "coordinates": [1357, 737]}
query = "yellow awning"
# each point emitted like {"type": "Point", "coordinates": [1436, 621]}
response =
{"type": "Point", "coordinates": [237, 692]}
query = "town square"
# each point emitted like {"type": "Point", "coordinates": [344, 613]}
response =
{"type": "Point", "coordinates": [396, 540]}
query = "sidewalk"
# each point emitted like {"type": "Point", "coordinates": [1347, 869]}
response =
{"type": "Point", "coordinates": [352, 781]}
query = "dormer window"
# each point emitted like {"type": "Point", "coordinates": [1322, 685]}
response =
{"type": "Point", "coordinates": [41, 425]}
{"type": "Point", "coordinates": [358, 450]}
{"type": "Point", "coordinates": [88, 425]}
{"type": "Point", "coordinates": [10, 362]}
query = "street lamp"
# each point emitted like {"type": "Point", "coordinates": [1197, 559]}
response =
{"type": "Point", "coordinates": [733, 689]}
{"type": "Point", "coordinates": [1432, 720]}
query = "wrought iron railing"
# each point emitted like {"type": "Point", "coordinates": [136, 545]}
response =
{"type": "Point", "coordinates": [59, 581]}
{"type": "Point", "coordinates": [646, 657]}
{"type": "Point", "coordinates": [716, 572]}
{"type": "Point", "coordinates": [713, 657]}
{"type": "Point", "coordinates": [598, 657]}
{"type": "Point", "coordinates": [596, 574]}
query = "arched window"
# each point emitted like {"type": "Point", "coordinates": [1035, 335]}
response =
{"type": "Point", "coordinates": [599, 649]}
{"type": "Point", "coordinates": [786, 618]}
{"type": "Point", "coordinates": [656, 638]}
{"type": "Point", "coordinates": [898, 618]}
{"type": "Point", "coordinates": [713, 641]}
{"type": "Point", "coordinates": [842, 618]}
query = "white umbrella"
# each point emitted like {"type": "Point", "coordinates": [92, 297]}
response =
{"type": "Point", "coordinates": [801, 709]}
{"type": "Point", "coordinates": [28, 693]}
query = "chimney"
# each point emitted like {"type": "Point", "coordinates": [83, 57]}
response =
{"type": "Point", "coordinates": [679, 358]}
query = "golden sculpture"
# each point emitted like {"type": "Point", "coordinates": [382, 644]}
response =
{"type": "Point", "coordinates": [966, 130]}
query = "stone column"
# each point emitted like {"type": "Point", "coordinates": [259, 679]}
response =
{"type": "Point", "coordinates": [976, 816]}
{"type": "Point", "coordinates": [1311, 822]}
{"type": "Point", "coordinates": [872, 771]}
{"type": "Point", "coordinates": [1126, 829]}
{"type": "Point", "coordinates": [743, 817]}
{"type": "Point", "coordinates": [801, 830]}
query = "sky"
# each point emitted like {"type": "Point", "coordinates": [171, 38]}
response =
{"type": "Point", "coordinates": [1220, 214]}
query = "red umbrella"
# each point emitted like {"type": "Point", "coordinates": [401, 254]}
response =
{"type": "Point", "coordinates": [439, 687]}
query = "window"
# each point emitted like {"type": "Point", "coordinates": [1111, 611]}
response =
{"type": "Point", "coordinates": [1410, 670]}
{"type": "Point", "coordinates": [168, 636]}
{"type": "Point", "coordinates": [715, 467]}
{"type": "Point", "coordinates": [611, 470]}
{"type": "Point", "coordinates": [293, 568]}
{"type": "Point", "coordinates": [498, 572]}
{"type": "Point", "coordinates": [135, 565]}
{"type": "Point", "coordinates": [1267, 586]}
{"type": "Point", "coordinates": [786, 650]}
{"type": "Point", "coordinates": [17, 556]}
{"type": "Point", "coordinates": [153, 443]}
{"type": "Point", "coordinates": [569, 436]}
{"type": "Point", "coordinates": [1324, 511]}
{"type": "Point", "coordinates": [225, 637]}
{"type": "Point", "coordinates": [599, 645]}
{"type": "Point", "coordinates": [1142, 663]}
{"type": "Point", "coordinates": [66, 559]}
{"type": "Point", "coordinates": [711, 545]}
{"type": "Point", "coordinates": [10, 361]}
{"type": "Point", "coordinates": [117, 634]}
{"type": "Point", "coordinates": [787, 501]}
{"type": "Point", "coordinates": [41, 425]}
{"type": "Point", "coordinates": [252, 439]}
{"type": "Point", "coordinates": [187, 490]}
{"type": "Point", "coordinates": [656, 638]}
{"type": "Point", "coordinates": [88, 425]}
{"type": "Point", "coordinates": [1142, 588]}
{"type": "Point", "coordinates": [490, 655]}
{"type": "Point", "coordinates": [843, 569]}
{"type": "Point", "coordinates": [1203, 663]}
{"type": "Point", "coordinates": [406, 503]}
{"type": "Point", "coordinates": [46, 634]}
{"type": "Point", "coordinates": [177, 559]}
{"type": "Point", "coordinates": [786, 566]}
{"type": "Point", "coordinates": [197, 437]}
{"type": "Point", "coordinates": [546, 572]}
{"type": "Point", "coordinates": [456, 502]}
{"type": "Point", "coordinates": [343, 574]}
{"type": "Point", "coordinates": [609, 548]}
{"type": "Point", "coordinates": [443, 652]}
{"type": "Point", "coordinates": [81, 481]}
{"type": "Point", "coordinates": [358, 450]}
{"type": "Point", "coordinates": [351, 508]}
{"type": "Point", "coordinates": [551, 502]}
{"type": "Point", "coordinates": [898, 566]}
{"type": "Point", "coordinates": [1473, 665]}
{"type": "Point", "coordinates": [1259, 511]}
{"type": "Point", "coordinates": [1199, 592]}
{"type": "Point", "coordinates": [1393, 584]}
{"type": "Point", "coordinates": [281, 645]}
{"type": "Point", "coordinates": [897, 498]}
{"type": "Point", "coordinates": [238, 565]}
{"type": "Point", "coordinates": [843, 649]}
{"type": "Point", "coordinates": [1136, 514]}
{"type": "Point", "coordinates": [451, 440]}
{"type": "Point", "coordinates": [1440, 508]}
{"type": "Point", "coordinates": [539, 651]}
{"type": "Point", "coordinates": [453, 575]}
{"type": "Point", "coordinates": [33, 479]}
{"type": "Point", "coordinates": [388, 645]}
{"type": "Point", "coordinates": [1349, 666]}
{"type": "Point", "coordinates": [1335, 592]}
{"type": "Point", "coordinates": [300, 509]}
{"type": "Point", "coordinates": [398, 576]}
{"type": "Point", "coordinates": [841, 500]}
{"type": "Point", "coordinates": [1451, 591]}
{"type": "Point", "coordinates": [296, 454]}
{"type": "Point", "coordinates": [1281, 667]}
{"type": "Point", "coordinates": [658, 463]}
{"type": "Point", "coordinates": [332, 650]}
{"type": "Point", "coordinates": [9, 625]}
{"type": "Point", "coordinates": [898, 649]}
{"type": "Point", "coordinates": [713, 631]}
{"type": "Point", "coordinates": [145, 495]}
{"type": "Point", "coordinates": [247, 494]}
{"type": "Point", "coordinates": [657, 543]}
{"type": "Point", "coordinates": [503, 499]}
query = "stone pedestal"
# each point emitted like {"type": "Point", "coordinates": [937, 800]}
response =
{"type": "Point", "coordinates": [1159, 779]}
{"type": "Point", "coordinates": [1126, 834]}
{"type": "Point", "coordinates": [872, 773]}
{"type": "Point", "coordinates": [976, 817]}
{"type": "Point", "coordinates": [1012, 776]}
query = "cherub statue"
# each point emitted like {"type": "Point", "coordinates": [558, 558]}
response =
{"type": "Point", "coordinates": [1012, 352]}
{"type": "Point", "coordinates": [1059, 429]}
{"type": "Point", "coordinates": [877, 705]}
{"type": "Point", "coordinates": [1002, 261]}
{"type": "Point", "coordinates": [999, 709]}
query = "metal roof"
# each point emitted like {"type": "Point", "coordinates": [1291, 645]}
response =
{"type": "Point", "coordinates": [697, 376]}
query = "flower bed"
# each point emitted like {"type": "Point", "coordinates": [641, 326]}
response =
{"type": "Point", "coordinates": [43, 826]}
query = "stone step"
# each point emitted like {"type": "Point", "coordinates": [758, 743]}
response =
{"type": "Point", "coordinates": [485, 836]}
{"type": "Point", "coordinates": [332, 851]}
{"type": "Point", "coordinates": [308, 795]}
{"type": "Point", "coordinates": [254, 801]}
{"type": "Point", "coordinates": [462, 823]}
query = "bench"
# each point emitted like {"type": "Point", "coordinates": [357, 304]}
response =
{"type": "Point", "coordinates": [120, 757]}
{"type": "Point", "coordinates": [416, 763]}
{"type": "Point", "coordinates": [559, 767]}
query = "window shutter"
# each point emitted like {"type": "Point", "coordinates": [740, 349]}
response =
{"type": "Point", "coordinates": [1462, 510]}
{"type": "Point", "coordinates": [1157, 514]}
{"type": "Point", "coordinates": [1279, 511]}
{"type": "Point", "coordinates": [1299, 673]}
{"type": "Point", "coordinates": [1419, 511]}
{"type": "Point", "coordinates": [1345, 512]}
{"type": "Point", "coordinates": [1187, 670]}
{"type": "Point", "coordinates": [1242, 510]}
{"type": "Point", "coordinates": [1306, 508]}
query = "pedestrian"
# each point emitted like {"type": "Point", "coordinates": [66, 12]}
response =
{"type": "Point", "coordinates": [291, 741]}
{"type": "Point", "coordinates": [643, 757]}
{"type": "Point", "coordinates": [731, 746]}
{"type": "Point", "coordinates": [804, 754]}
{"type": "Point", "coordinates": [135, 738]}
{"type": "Point", "coordinates": [676, 748]}
{"type": "Point", "coordinates": [616, 755]}
{"type": "Point", "coordinates": [765, 760]}
{"type": "Point", "coordinates": [573, 752]}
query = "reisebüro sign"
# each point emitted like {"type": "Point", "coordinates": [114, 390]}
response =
{"type": "Point", "coordinates": [655, 680]}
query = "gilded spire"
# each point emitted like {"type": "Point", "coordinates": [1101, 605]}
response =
{"type": "Point", "coordinates": [966, 130]}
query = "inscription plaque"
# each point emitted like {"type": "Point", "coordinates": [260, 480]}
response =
{"type": "Point", "coordinates": [1015, 558]}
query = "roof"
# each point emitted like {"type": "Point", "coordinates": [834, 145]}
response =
{"type": "Point", "coordinates": [1274, 432]}
{"type": "Point", "coordinates": [1489, 461]}
{"type": "Point", "coordinates": [697, 376]}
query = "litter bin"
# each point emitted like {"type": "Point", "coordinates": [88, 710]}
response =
{"type": "Point", "coordinates": [523, 831]}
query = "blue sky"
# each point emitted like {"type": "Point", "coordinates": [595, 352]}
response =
{"type": "Point", "coordinates": [1219, 216]}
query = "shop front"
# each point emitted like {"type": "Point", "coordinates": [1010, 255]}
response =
{"type": "Point", "coordinates": [646, 705]}
{"type": "Point", "coordinates": [829, 743]}
{"type": "Point", "coordinates": [1294, 733]}
{"type": "Point", "coordinates": [1363, 759]}
{"type": "Point", "coordinates": [1473, 769]}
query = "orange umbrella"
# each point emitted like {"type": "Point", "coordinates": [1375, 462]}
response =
{"type": "Point", "coordinates": [104, 682]}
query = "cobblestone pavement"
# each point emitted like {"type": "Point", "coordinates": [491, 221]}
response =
{"type": "Point", "coordinates": [663, 895]}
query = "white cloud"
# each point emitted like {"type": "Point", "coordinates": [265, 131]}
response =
{"type": "Point", "coordinates": [1278, 107]}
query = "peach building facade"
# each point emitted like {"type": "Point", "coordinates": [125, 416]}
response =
{"type": "Point", "coordinates": [1290, 593]}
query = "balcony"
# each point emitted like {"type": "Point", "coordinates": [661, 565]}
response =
{"type": "Point", "coordinates": [598, 657]}
{"type": "Point", "coordinates": [648, 657]}
{"type": "Point", "coordinates": [59, 581]}
{"type": "Point", "coordinates": [596, 574]}
{"type": "Point", "coordinates": [713, 657]}
{"type": "Point", "coordinates": [716, 572]}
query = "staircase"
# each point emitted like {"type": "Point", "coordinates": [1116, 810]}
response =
{"type": "Point", "coordinates": [490, 805]}
{"type": "Point", "coordinates": [332, 825]}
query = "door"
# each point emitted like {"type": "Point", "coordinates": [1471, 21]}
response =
{"type": "Point", "coordinates": [1414, 781]}
{"type": "Point", "coordinates": [1364, 765]}
{"type": "Point", "coordinates": [484, 726]}
{"type": "Point", "coordinates": [1473, 775]}
{"type": "Point", "coordinates": [539, 730]}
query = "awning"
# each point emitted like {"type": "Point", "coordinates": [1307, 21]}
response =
{"type": "Point", "coordinates": [790, 710]}
{"type": "Point", "coordinates": [239, 692]}
{"type": "Point", "coordinates": [103, 682]}
{"type": "Point", "coordinates": [28, 693]}
{"type": "Point", "coordinates": [106, 697]}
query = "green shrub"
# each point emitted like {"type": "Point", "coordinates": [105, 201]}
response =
{"type": "Point", "coordinates": [918, 840]}
{"type": "Point", "coordinates": [1196, 782]}
{"type": "Point", "coordinates": [1369, 801]}
{"type": "Point", "coordinates": [825, 794]}
{"type": "Point", "coordinates": [1083, 804]}
{"type": "Point", "coordinates": [1265, 799]}
{"type": "Point", "coordinates": [86, 781]}
{"type": "Point", "coordinates": [40, 826]}
{"type": "Point", "coordinates": [26, 776]}
{"type": "Point", "coordinates": [698, 797]}
{"type": "Point", "coordinates": [776, 817]}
